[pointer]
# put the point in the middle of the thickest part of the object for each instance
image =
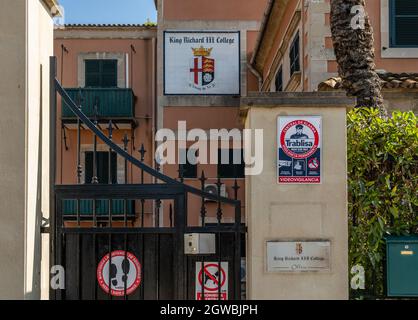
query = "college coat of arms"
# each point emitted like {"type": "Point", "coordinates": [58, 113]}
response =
{"type": "Point", "coordinates": [202, 68]}
{"type": "Point", "coordinates": [299, 248]}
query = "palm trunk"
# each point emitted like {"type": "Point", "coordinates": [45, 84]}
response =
{"type": "Point", "coordinates": [354, 49]}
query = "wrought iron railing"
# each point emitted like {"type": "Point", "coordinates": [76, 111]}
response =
{"type": "Point", "coordinates": [149, 218]}
{"type": "Point", "coordinates": [123, 153]}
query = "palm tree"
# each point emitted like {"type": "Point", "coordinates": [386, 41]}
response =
{"type": "Point", "coordinates": [354, 50]}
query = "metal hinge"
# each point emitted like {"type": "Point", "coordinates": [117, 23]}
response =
{"type": "Point", "coordinates": [45, 225]}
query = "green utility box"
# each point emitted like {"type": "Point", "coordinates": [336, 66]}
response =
{"type": "Point", "coordinates": [402, 266]}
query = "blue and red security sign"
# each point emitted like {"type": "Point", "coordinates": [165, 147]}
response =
{"type": "Point", "coordinates": [299, 149]}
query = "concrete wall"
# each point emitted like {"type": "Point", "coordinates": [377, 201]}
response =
{"type": "Point", "coordinates": [26, 37]}
{"type": "Point", "coordinates": [401, 100]}
{"type": "Point", "coordinates": [213, 10]}
{"type": "Point", "coordinates": [299, 212]}
{"type": "Point", "coordinates": [39, 50]}
{"type": "Point", "coordinates": [319, 54]}
{"type": "Point", "coordinates": [12, 151]}
{"type": "Point", "coordinates": [397, 99]}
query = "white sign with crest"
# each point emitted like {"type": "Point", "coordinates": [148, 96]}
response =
{"type": "Point", "coordinates": [201, 63]}
{"type": "Point", "coordinates": [298, 256]}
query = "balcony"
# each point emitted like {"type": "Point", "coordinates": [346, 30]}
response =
{"type": "Point", "coordinates": [101, 209]}
{"type": "Point", "coordinates": [112, 104]}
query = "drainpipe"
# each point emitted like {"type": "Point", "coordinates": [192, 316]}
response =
{"type": "Point", "coordinates": [302, 42]}
{"type": "Point", "coordinates": [257, 74]}
{"type": "Point", "coordinates": [154, 98]}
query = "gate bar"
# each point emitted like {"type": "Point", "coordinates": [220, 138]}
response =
{"type": "Point", "coordinates": [52, 165]}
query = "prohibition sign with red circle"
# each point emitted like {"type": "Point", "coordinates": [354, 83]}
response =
{"type": "Point", "coordinates": [313, 164]}
{"type": "Point", "coordinates": [295, 155]}
{"type": "Point", "coordinates": [133, 276]}
{"type": "Point", "coordinates": [212, 277]}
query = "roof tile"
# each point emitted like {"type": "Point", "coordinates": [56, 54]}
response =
{"type": "Point", "coordinates": [109, 26]}
{"type": "Point", "coordinates": [390, 81]}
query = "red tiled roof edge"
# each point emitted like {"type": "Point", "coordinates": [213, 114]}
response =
{"type": "Point", "coordinates": [390, 81]}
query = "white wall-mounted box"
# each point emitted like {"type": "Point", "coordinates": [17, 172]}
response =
{"type": "Point", "coordinates": [199, 243]}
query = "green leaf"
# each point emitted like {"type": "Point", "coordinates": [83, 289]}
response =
{"type": "Point", "coordinates": [382, 184]}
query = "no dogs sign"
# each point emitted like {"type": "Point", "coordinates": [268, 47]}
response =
{"type": "Point", "coordinates": [299, 149]}
{"type": "Point", "coordinates": [212, 281]}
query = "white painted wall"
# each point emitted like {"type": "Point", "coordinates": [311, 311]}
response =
{"type": "Point", "coordinates": [12, 151]}
{"type": "Point", "coordinates": [39, 49]}
{"type": "Point", "coordinates": [26, 35]}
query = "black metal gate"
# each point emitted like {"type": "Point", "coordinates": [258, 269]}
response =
{"type": "Point", "coordinates": [101, 232]}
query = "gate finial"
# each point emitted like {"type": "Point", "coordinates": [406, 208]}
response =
{"type": "Point", "coordinates": [125, 141]}
{"type": "Point", "coordinates": [236, 187]}
{"type": "Point", "coordinates": [181, 172]}
{"type": "Point", "coordinates": [142, 152]}
{"type": "Point", "coordinates": [110, 128]}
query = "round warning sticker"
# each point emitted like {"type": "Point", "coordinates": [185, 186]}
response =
{"type": "Point", "coordinates": [299, 139]}
{"type": "Point", "coordinates": [123, 271]}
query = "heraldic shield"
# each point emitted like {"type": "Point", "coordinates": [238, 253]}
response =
{"type": "Point", "coordinates": [202, 68]}
{"type": "Point", "coordinates": [202, 71]}
{"type": "Point", "coordinates": [208, 74]}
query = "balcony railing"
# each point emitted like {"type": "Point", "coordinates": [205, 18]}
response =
{"type": "Point", "coordinates": [111, 103]}
{"type": "Point", "coordinates": [101, 209]}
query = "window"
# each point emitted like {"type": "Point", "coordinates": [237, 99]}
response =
{"type": "Point", "coordinates": [279, 80]}
{"type": "Point", "coordinates": [101, 73]}
{"type": "Point", "coordinates": [294, 55]}
{"type": "Point", "coordinates": [189, 169]}
{"type": "Point", "coordinates": [231, 169]}
{"type": "Point", "coordinates": [403, 23]}
{"type": "Point", "coordinates": [102, 160]}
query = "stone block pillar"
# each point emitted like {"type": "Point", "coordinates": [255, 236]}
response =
{"type": "Point", "coordinates": [297, 243]}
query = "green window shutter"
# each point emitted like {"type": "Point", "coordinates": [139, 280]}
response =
{"type": "Point", "coordinates": [404, 23]}
{"type": "Point", "coordinates": [109, 73]}
{"type": "Point", "coordinates": [92, 73]}
{"type": "Point", "coordinates": [101, 73]}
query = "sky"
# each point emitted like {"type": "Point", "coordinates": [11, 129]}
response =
{"type": "Point", "coordinates": [108, 11]}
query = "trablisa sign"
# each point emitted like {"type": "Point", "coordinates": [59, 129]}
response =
{"type": "Point", "coordinates": [299, 149]}
{"type": "Point", "coordinates": [201, 63]}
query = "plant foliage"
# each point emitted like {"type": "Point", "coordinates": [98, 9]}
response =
{"type": "Point", "coordinates": [382, 186]}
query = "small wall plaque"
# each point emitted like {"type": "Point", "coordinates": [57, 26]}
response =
{"type": "Point", "coordinates": [298, 256]}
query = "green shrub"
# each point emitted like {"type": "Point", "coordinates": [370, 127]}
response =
{"type": "Point", "coordinates": [382, 185]}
